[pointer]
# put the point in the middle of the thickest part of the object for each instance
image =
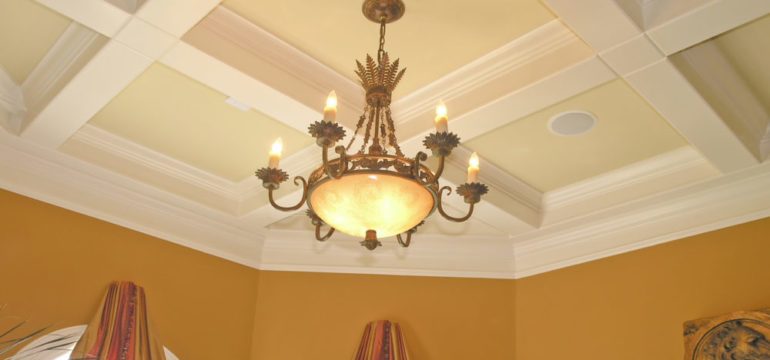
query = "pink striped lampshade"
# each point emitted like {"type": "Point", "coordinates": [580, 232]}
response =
{"type": "Point", "coordinates": [382, 340]}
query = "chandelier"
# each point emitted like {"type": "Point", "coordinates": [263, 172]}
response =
{"type": "Point", "coordinates": [376, 191]}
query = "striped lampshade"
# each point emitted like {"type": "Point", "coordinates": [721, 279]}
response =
{"type": "Point", "coordinates": [382, 340]}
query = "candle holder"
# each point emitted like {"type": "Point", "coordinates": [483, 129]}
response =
{"type": "Point", "coordinates": [326, 133]}
{"type": "Point", "coordinates": [471, 192]}
{"type": "Point", "coordinates": [441, 143]}
{"type": "Point", "coordinates": [272, 177]}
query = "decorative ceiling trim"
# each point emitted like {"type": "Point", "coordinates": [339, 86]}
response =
{"type": "Point", "coordinates": [11, 102]}
{"type": "Point", "coordinates": [48, 175]}
{"type": "Point", "coordinates": [230, 81]}
{"type": "Point", "coordinates": [101, 16]}
{"type": "Point", "coordinates": [72, 51]}
{"type": "Point", "coordinates": [509, 192]}
{"type": "Point", "coordinates": [655, 78]}
{"type": "Point", "coordinates": [690, 210]}
{"type": "Point", "coordinates": [546, 40]}
{"type": "Point", "coordinates": [712, 74]}
{"type": "Point", "coordinates": [458, 256]}
{"type": "Point", "coordinates": [105, 75]}
{"type": "Point", "coordinates": [304, 72]}
{"type": "Point", "coordinates": [660, 173]}
{"type": "Point", "coordinates": [120, 147]}
{"type": "Point", "coordinates": [704, 22]}
{"type": "Point", "coordinates": [669, 92]}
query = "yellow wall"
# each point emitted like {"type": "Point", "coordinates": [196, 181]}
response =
{"type": "Point", "coordinates": [632, 306]}
{"type": "Point", "coordinates": [55, 266]}
{"type": "Point", "coordinates": [304, 316]}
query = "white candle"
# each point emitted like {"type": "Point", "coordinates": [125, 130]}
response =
{"type": "Point", "coordinates": [441, 118]}
{"type": "Point", "coordinates": [330, 110]}
{"type": "Point", "coordinates": [473, 168]}
{"type": "Point", "coordinates": [275, 154]}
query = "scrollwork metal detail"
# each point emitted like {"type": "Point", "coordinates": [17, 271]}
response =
{"type": "Point", "coordinates": [297, 181]}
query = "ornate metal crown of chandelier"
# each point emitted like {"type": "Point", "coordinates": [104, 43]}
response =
{"type": "Point", "coordinates": [373, 192]}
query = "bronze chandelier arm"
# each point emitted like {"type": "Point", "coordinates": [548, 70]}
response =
{"type": "Point", "coordinates": [343, 167]}
{"type": "Point", "coordinates": [408, 239]}
{"type": "Point", "coordinates": [440, 169]}
{"type": "Point", "coordinates": [447, 216]}
{"type": "Point", "coordinates": [318, 232]}
{"type": "Point", "coordinates": [418, 159]}
{"type": "Point", "coordinates": [297, 180]}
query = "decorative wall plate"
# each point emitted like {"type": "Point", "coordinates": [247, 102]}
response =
{"type": "Point", "coordinates": [741, 335]}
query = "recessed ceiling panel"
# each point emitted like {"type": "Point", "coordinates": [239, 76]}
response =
{"type": "Point", "coordinates": [433, 38]}
{"type": "Point", "coordinates": [177, 116]}
{"type": "Point", "coordinates": [748, 49]}
{"type": "Point", "coordinates": [27, 31]}
{"type": "Point", "coordinates": [627, 130]}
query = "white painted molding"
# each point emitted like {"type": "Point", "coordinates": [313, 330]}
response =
{"type": "Point", "coordinates": [674, 97]}
{"type": "Point", "coordinates": [130, 151]}
{"type": "Point", "coordinates": [506, 192]}
{"type": "Point", "coordinates": [11, 102]}
{"type": "Point", "coordinates": [704, 22]}
{"type": "Point", "coordinates": [101, 16]}
{"type": "Point", "coordinates": [710, 205]}
{"type": "Point", "coordinates": [545, 40]}
{"type": "Point", "coordinates": [712, 74]}
{"type": "Point", "coordinates": [479, 257]}
{"type": "Point", "coordinates": [660, 173]}
{"type": "Point", "coordinates": [230, 81]}
{"type": "Point", "coordinates": [105, 75]}
{"type": "Point", "coordinates": [48, 175]}
{"type": "Point", "coordinates": [600, 23]}
{"type": "Point", "coordinates": [311, 73]}
{"type": "Point", "coordinates": [72, 51]}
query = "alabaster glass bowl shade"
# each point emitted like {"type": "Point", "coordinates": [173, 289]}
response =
{"type": "Point", "coordinates": [388, 204]}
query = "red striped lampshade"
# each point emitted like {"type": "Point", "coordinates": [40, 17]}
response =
{"type": "Point", "coordinates": [382, 340]}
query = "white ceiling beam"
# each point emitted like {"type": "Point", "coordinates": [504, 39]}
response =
{"type": "Point", "coordinates": [99, 15]}
{"type": "Point", "coordinates": [669, 92]}
{"type": "Point", "coordinates": [713, 75]}
{"type": "Point", "coordinates": [703, 22]}
{"type": "Point", "coordinates": [636, 56]}
{"type": "Point", "coordinates": [273, 65]}
{"type": "Point", "coordinates": [11, 103]}
{"type": "Point", "coordinates": [232, 82]}
{"type": "Point", "coordinates": [175, 17]}
{"type": "Point", "coordinates": [135, 44]}
{"type": "Point", "coordinates": [601, 23]}
{"type": "Point", "coordinates": [107, 74]}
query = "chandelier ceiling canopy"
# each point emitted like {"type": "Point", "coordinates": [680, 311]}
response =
{"type": "Point", "coordinates": [375, 191]}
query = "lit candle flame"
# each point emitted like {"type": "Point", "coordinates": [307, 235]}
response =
{"type": "Point", "coordinates": [277, 147]}
{"type": "Point", "coordinates": [440, 110]}
{"type": "Point", "coordinates": [331, 101]}
{"type": "Point", "coordinates": [474, 161]}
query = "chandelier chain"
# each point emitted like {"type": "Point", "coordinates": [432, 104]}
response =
{"type": "Point", "coordinates": [368, 131]}
{"type": "Point", "coordinates": [392, 131]}
{"type": "Point", "coordinates": [381, 50]}
{"type": "Point", "coordinates": [359, 125]}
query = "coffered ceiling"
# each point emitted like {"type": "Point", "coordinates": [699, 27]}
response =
{"type": "Point", "coordinates": [154, 115]}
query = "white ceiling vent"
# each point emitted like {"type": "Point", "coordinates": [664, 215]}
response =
{"type": "Point", "coordinates": [572, 123]}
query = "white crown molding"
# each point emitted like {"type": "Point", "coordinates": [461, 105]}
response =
{"type": "Point", "coordinates": [71, 52]}
{"type": "Point", "coordinates": [672, 169]}
{"type": "Point", "coordinates": [703, 21]}
{"type": "Point", "coordinates": [11, 102]}
{"type": "Point", "coordinates": [666, 216]}
{"type": "Point", "coordinates": [48, 175]}
{"type": "Point", "coordinates": [130, 151]}
{"type": "Point", "coordinates": [526, 49]}
{"type": "Point", "coordinates": [429, 255]}
{"type": "Point", "coordinates": [726, 90]}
